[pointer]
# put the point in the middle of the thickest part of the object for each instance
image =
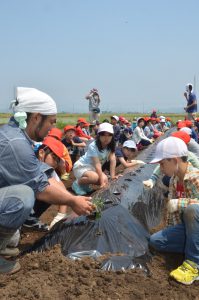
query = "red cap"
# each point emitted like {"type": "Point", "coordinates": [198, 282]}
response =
{"type": "Point", "coordinates": [121, 119]}
{"type": "Point", "coordinates": [86, 124]}
{"type": "Point", "coordinates": [69, 127]}
{"type": "Point", "coordinates": [55, 146]}
{"type": "Point", "coordinates": [188, 123]}
{"type": "Point", "coordinates": [182, 135]}
{"type": "Point", "coordinates": [181, 125]}
{"type": "Point", "coordinates": [146, 119]}
{"type": "Point", "coordinates": [168, 119]}
{"type": "Point", "coordinates": [81, 120]}
{"type": "Point", "coordinates": [153, 119]}
{"type": "Point", "coordinates": [55, 132]}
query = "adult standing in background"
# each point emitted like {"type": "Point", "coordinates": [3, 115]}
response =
{"type": "Point", "coordinates": [191, 107]}
{"type": "Point", "coordinates": [94, 101]}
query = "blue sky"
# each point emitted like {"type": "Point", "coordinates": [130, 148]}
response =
{"type": "Point", "coordinates": [139, 54]}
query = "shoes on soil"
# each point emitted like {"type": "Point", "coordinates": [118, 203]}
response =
{"type": "Point", "coordinates": [8, 267]}
{"type": "Point", "coordinates": [79, 189]}
{"type": "Point", "coordinates": [35, 224]}
{"type": "Point", "coordinates": [9, 252]}
{"type": "Point", "coordinates": [57, 218]}
{"type": "Point", "coordinates": [187, 273]}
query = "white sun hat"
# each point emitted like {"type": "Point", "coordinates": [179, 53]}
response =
{"type": "Point", "coordinates": [130, 144]}
{"type": "Point", "coordinates": [162, 119]}
{"type": "Point", "coordinates": [169, 148]}
{"type": "Point", "coordinates": [187, 130]}
{"type": "Point", "coordinates": [105, 127]}
{"type": "Point", "coordinates": [116, 118]}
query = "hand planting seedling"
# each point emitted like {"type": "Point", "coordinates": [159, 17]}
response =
{"type": "Point", "coordinates": [98, 204]}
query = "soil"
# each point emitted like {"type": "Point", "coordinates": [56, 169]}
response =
{"type": "Point", "coordinates": [50, 275]}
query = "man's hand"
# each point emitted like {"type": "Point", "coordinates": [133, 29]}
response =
{"type": "Point", "coordinates": [148, 183]}
{"type": "Point", "coordinates": [172, 205]}
{"type": "Point", "coordinates": [81, 205]}
{"type": "Point", "coordinates": [185, 108]}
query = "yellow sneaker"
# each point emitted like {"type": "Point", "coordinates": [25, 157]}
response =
{"type": "Point", "coordinates": [187, 273]}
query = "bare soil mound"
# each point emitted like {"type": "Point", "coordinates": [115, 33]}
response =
{"type": "Point", "coordinates": [50, 275]}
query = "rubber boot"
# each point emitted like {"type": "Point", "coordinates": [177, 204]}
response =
{"type": "Point", "coordinates": [6, 235]}
{"type": "Point", "coordinates": [6, 266]}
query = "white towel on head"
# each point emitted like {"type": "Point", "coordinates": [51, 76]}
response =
{"type": "Point", "coordinates": [33, 101]}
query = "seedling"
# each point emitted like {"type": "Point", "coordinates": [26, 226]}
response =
{"type": "Point", "coordinates": [98, 204]}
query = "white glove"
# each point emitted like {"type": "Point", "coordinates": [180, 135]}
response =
{"type": "Point", "coordinates": [139, 162]}
{"type": "Point", "coordinates": [172, 206]}
{"type": "Point", "coordinates": [148, 183]}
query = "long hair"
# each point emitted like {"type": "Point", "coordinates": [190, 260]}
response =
{"type": "Point", "coordinates": [110, 146]}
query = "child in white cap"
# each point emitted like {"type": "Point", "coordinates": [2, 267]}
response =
{"type": "Point", "coordinates": [88, 169]}
{"type": "Point", "coordinates": [126, 155]}
{"type": "Point", "coordinates": [181, 235]}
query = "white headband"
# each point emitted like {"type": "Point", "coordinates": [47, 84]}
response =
{"type": "Point", "coordinates": [33, 101]}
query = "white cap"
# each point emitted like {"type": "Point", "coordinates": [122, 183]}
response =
{"type": "Point", "coordinates": [188, 84]}
{"type": "Point", "coordinates": [107, 127]}
{"type": "Point", "coordinates": [116, 118]}
{"type": "Point", "coordinates": [130, 144]}
{"type": "Point", "coordinates": [187, 130]}
{"type": "Point", "coordinates": [140, 118]}
{"type": "Point", "coordinates": [169, 148]}
{"type": "Point", "coordinates": [33, 101]}
{"type": "Point", "coordinates": [163, 120]}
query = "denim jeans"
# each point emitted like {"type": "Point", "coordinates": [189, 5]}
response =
{"type": "Point", "coordinates": [181, 238]}
{"type": "Point", "coordinates": [16, 203]}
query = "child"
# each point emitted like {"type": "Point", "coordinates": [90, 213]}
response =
{"type": "Point", "coordinates": [64, 169]}
{"type": "Point", "coordinates": [88, 169]}
{"type": "Point", "coordinates": [192, 158]}
{"type": "Point", "coordinates": [116, 128]}
{"type": "Point", "coordinates": [79, 130]}
{"type": "Point", "coordinates": [126, 155]}
{"type": "Point", "coordinates": [181, 236]}
{"type": "Point", "coordinates": [52, 153]}
{"type": "Point", "coordinates": [125, 135]}
{"type": "Point", "coordinates": [72, 142]}
{"type": "Point", "coordinates": [138, 134]}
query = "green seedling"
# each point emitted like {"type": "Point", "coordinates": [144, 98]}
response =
{"type": "Point", "coordinates": [98, 204]}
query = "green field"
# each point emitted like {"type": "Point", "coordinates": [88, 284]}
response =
{"type": "Point", "coordinates": [64, 119]}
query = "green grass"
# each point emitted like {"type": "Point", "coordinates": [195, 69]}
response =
{"type": "Point", "coordinates": [66, 119]}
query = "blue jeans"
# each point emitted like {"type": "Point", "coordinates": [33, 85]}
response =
{"type": "Point", "coordinates": [16, 203]}
{"type": "Point", "coordinates": [181, 238]}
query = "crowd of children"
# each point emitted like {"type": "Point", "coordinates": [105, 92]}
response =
{"type": "Point", "coordinates": [93, 151]}
{"type": "Point", "coordinates": [36, 159]}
